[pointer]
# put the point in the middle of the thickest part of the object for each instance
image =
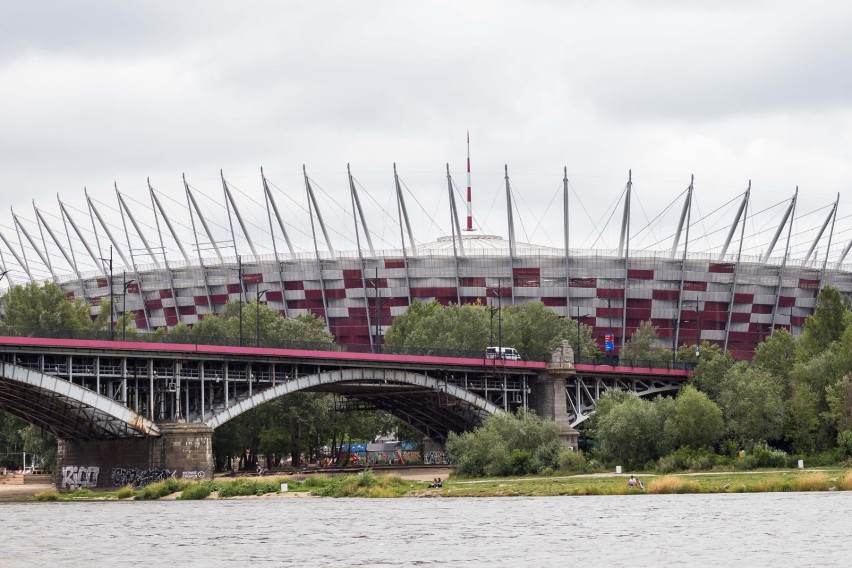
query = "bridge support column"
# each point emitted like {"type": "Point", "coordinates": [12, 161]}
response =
{"type": "Point", "coordinates": [181, 451]}
{"type": "Point", "coordinates": [549, 400]}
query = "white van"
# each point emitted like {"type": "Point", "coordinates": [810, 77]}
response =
{"type": "Point", "coordinates": [505, 353]}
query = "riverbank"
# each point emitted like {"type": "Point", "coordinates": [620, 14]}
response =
{"type": "Point", "coordinates": [416, 484]}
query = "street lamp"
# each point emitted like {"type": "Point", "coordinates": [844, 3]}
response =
{"type": "Point", "coordinates": [111, 297]}
{"type": "Point", "coordinates": [577, 353]}
{"type": "Point", "coordinates": [497, 292]}
{"type": "Point", "coordinates": [378, 311]}
{"type": "Point", "coordinates": [239, 271]}
{"type": "Point", "coordinates": [259, 293]}
{"type": "Point", "coordinates": [127, 284]}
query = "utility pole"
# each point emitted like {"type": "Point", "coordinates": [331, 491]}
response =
{"type": "Point", "coordinates": [500, 318]}
{"type": "Point", "coordinates": [259, 293]}
{"type": "Point", "coordinates": [127, 284]}
{"type": "Point", "coordinates": [378, 311]}
{"type": "Point", "coordinates": [239, 271]}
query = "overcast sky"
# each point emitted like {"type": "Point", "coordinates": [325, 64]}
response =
{"type": "Point", "coordinates": [93, 93]}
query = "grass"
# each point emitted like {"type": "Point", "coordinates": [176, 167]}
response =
{"type": "Point", "coordinates": [368, 484]}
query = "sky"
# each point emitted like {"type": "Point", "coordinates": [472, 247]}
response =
{"type": "Point", "coordinates": [94, 94]}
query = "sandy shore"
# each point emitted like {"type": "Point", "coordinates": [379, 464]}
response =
{"type": "Point", "coordinates": [13, 492]}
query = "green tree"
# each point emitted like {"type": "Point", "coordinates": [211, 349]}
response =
{"type": "Point", "coordinates": [640, 346]}
{"type": "Point", "coordinates": [31, 310]}
{"type": "Point", "coordinates": [507, 444]}
{"type": "Point", "coordinates": [630, 432]}
{"type": "Point", "coordinates": [686, 353]}
{"type": "Point", "coordinates": [697, 420]}
{"type": "Point", "coordinates": [752, 404]}
{"type": "Point", "coordinates": [709, 374]}
{"type": "Point", "coordinates": [827, 324]}
{"type": "Point", "coordinates": [802, 425]}
{"type": "Point", "coordinates": [777, 356]}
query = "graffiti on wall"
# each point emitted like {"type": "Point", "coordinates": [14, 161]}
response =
{"type": "Point", "coordinates": [434, 458]}
{"type": "Point", "coordinates": [192, 475]}
{"type": "Point", "coordinates": [76, 477]}
{"type": "Point", "coordinates": [139, 477]}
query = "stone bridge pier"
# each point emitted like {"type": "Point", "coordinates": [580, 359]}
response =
{"type": "Point", "coordinates": [180, 451]}
{"type": "Point", "coordinates": [547, 393]}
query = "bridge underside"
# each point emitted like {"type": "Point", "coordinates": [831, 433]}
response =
{"type": "Point", "coordinates": [434, 413]}
{"type": "Point", "coordinates": [66, 410]}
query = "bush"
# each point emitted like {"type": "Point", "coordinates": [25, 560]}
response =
{"type": "Point", "coordinates": [160, 489]}
{"type": "Point", "coordinates": [844, 443]}
{"type": "Point", "coordinates": [574, 462]}
{"type": "Point", "coordinates": [125, 492]}
{"type": "Point", "coordinates": [765, 456]}
{"type": "Point", "coordinates": [520, 462]}
{"type": "Point", "coordinates": [506, 444]}
{"type": "Point", "coordinates": [47, 496]}
{"type": "Point", "coordinates": [197, 491]}
{"type": "Point", "coordinates": [244, 486]}
{"type": "Point", "coordinates": [686, 459]}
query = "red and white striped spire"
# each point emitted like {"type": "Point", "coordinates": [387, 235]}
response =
{"type": "Point", "coordinates": [469, 201]}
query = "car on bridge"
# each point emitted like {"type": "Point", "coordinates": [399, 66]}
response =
{"type": "Point", "coordinates": [505, 353]}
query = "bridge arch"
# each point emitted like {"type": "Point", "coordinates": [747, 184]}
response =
{"type": "Point", "coordinates": [433, 406]}
{"type": "Point", "coordinates": [67, 410]}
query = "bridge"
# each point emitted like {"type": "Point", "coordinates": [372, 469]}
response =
{"type": "Point", "coordinates": [141, 406]}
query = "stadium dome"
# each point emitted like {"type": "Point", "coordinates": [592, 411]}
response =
{"type": "Point", "coordinates": [178, 263]}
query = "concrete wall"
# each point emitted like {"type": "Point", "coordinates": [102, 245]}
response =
{"type": "Point", "coordinates": [181, 451]}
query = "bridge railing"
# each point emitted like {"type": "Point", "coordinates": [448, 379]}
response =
{"type": "Point", "coordinates": [615, 361]}
{"type": "Point", "coordinates": [234, 341]}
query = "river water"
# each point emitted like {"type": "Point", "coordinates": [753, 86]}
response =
{"type": "Point", "coordinates": [762, 529]}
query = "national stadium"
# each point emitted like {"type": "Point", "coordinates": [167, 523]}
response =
{"type": "Point", "coordinates": [166, 259]}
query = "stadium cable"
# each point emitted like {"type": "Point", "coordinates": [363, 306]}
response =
{"type": "Point", "coordinates": [546, 209]}
{"type": "Point", "coordinates": [614, 209]}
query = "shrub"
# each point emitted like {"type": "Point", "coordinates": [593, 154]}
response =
{"type": "Point", "coordinates": [574, 462]}
{"type": "Point", "coordinates": [844, 443]}
{"type": "Point", "coordinates": [520, 462]}
{"type": "Point", "coordinates": [196, 491]}
{"type": "Point", "coordinates": [47, 496]}
{"type": "Point", "coordinates": [686, 459]}
{"type": "Point", "coordinates": [765, 456]}
{"type": "Point", "coordinates": [244, 486]}
{"type": "Point", "coordinates": [125, 492]}
{"type": "Point", "coordinates": [506, 444]}
{"type": "Point", "coordinates": [160, 489]}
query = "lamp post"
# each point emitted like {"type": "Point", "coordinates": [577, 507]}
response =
{"type": "Point", "coordinates": [239, 271]}
{"type": "Point", "coordinates": [127, 284]}
{"type": "Point", "coordinates": [577, 353]}
{"type": "Point", "coordinates": [377, 312]}
{"type": "Point", "coordinates": [111, 297]}
{"type": "Point", "coordinates": [259, 293]}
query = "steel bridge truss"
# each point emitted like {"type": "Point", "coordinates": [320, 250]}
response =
{"type": "Point", "coordinates": [583, 391]}
{"type": "Point", "coordinates": [169, 387]}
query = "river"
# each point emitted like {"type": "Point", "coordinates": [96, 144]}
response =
{"type": "Point", "coordinates": [759, 529]}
